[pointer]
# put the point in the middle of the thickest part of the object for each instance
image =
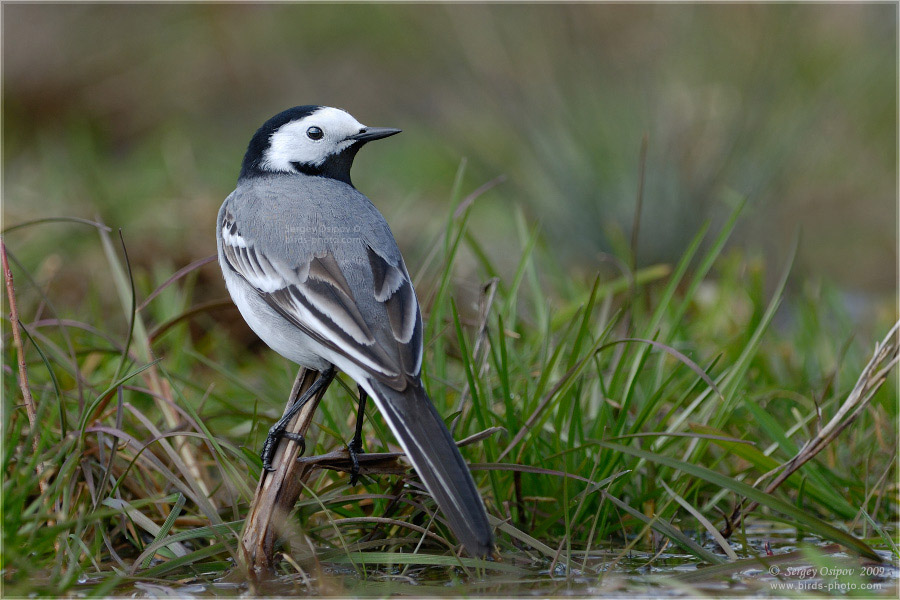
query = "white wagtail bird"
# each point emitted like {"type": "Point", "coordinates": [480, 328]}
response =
{"type": "Point", "coordinates": [315, 271]}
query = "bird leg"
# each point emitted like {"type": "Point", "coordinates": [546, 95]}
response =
{"type": "Point", "coordinates": [277, 431]}
{"type": "Point", "coordinates": [355, 446]}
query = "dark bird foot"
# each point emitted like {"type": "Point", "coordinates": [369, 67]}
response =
{"type": "Point", "coordinates": [272, 442]}
{"type": "Point", "coordinates": [278, 430]}
{"type": "Point", "coordinates": [268, 450]}
{"type": "Point", "coordinates": [355, 449]}
{"type": "Point", "coordinates": [296, 437]}
{"type": "Point", "coordinates": [355, 446]}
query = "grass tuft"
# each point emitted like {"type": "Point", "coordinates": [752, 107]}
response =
{"type": "Point", "coordinates": [628, 411]}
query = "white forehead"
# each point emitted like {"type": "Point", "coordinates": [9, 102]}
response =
{"type": "Point", "coordinates": [290, 142]}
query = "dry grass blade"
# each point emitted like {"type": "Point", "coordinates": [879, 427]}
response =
{"type": "Point", "coordinates": [146, 458]}
{"type": "Point", "coordinates": [508, 528]}
{"type": "Point", "coordinates": [479, 351]}
{"type": "Point", "coordinates": [468, 200]}
{"type": "Point", "coordinates": [70, 323]}
{"type": "Point", "coordinates": [460, 211]}
{"type": "Point", "coordinates": [481, 435]}
{"type": "Point", "coordinates": [870, 381]}
{"type": "Point", "coordinates": [699, 436]}
{"type": "Point", "coordinates": [178, 275]}
{"type": "Point", "coordinates": [723, 544]}
{"type": "Point", "coordinates": [395, 523]}
{"type": "Point", "coordinates": [679, 356]}
{"type": "Point", "coordinates": [20, 355]}
{"type": "Point", "coordinates": [99, 226]}
{"type": "Point", "coordinates": [145, 523]}
{"type": "Point", "coordinates": [188, 314]}
{"type": "Point", "coordinates": [124, 284]}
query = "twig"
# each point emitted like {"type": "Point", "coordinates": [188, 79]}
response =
{"type": "Point", "coordinates": [20, 355]}
{"type": "Point", "coordinates": [278, 490]}
{"type": "Point", "coordinates": [370, 463]}
{"type": "Point", "coordinates": [870, 381]}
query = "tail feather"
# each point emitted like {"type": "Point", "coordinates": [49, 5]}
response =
{"type": "Point", "coordinates": [430, 447]}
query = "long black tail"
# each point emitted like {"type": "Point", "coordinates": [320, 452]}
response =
{"type": "Point", "coordinates": [433, 453]}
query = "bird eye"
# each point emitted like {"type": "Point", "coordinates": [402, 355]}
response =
{"type": "Point", "coordinates": [314, 133]}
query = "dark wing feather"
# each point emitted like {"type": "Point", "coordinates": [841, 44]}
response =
{"type": "Point", "coordinates": [318, 299]}
{"type": "Point", "coordinates": [393, 288]}
{"type": "Point", "coordinates": [325, 268]}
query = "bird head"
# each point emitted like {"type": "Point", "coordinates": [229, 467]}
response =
{"type": "Point", "coordinates": [314, 140]}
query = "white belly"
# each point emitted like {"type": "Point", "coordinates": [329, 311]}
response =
{"type": "Point", "coordinates": [280, 335]}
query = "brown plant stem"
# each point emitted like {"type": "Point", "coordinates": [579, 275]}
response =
{"type": "Point", "coordinates": [27, 398]}
{"type": "Point", "coordinates": [278, 490]}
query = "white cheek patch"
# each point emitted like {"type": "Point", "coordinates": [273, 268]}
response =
{"type": "Point", "coordinates": [290, 143]}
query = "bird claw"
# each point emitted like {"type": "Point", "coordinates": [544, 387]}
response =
{"type": "Point", "coordinates": [296, 437]}
{"type": "Point", "coordinates": [354, 448]}
{"type": "Point", "coordinates": [272, 442]}
{"type": "Point", "coordinates": [267, 450]}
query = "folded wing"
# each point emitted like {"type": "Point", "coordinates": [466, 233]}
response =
{"type": "Point", "coordinates": [364, 309]}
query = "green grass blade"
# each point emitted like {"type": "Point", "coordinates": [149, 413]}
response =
{"type": "Point", "coordinates": [821, 528]}
{"type": "Point", "coordinates": [667, 530]}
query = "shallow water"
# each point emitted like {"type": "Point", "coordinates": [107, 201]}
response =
{"type": "Point", "coordinates": [772, 567]}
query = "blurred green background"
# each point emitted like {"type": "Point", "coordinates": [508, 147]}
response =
{"type": "Point", "coordinates": [139, 115]}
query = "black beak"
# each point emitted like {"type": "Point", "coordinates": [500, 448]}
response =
{"type": "Point", "coordinates": [367, 134]}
